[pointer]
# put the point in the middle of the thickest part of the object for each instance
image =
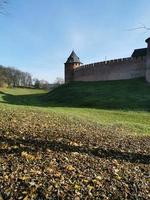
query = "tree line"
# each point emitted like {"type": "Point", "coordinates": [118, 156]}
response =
{"type": "Point", "coordinates": [14, 77]}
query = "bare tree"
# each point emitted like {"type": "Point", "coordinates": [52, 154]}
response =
{"type": "Point", "coordinates": [3, 78]}
{"type": "Point", "coordinates": [14, 77]}
{"type": "Point", "coordinates": [59, 81]}
{"type": "Point", "coordinates": [41, 84]}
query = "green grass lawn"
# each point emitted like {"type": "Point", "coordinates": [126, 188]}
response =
{"type": "Point", "coordinates": [123, 104]}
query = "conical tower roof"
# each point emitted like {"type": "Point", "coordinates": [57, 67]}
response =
{"type": "Point", "coordinates": [73, 58]}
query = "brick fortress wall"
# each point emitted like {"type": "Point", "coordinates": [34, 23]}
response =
{"type": "Point", "coordinates": [118, 69]}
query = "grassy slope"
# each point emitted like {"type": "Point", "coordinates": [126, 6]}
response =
{"type": "Point", "coordinates": [114, 102]}
{"type": "Point", "coordinates": [126, 95]}
{"type": "Point", "coordinates": [118, 103]}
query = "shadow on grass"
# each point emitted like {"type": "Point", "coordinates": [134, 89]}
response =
{"type": "Point", "coordinates": [34, 145]}
{"type": "Point", "coordinates": [25, 100]}
{"type": "Point", "coordinates": [125, 95]}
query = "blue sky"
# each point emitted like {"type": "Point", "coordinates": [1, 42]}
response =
{"type": "Point", "coordinates": [37, 36]}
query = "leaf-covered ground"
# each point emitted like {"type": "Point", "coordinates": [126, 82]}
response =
{"type": "Point", "coordinates": [51, 156]}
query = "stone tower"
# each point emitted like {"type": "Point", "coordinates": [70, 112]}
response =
{"type": "Point", "coordinates": [147, 75]}
{"type": "Point", "coordinates": [72, 62]}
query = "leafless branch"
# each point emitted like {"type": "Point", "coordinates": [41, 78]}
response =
{"type": "Point", "coordinates": [139, 27]}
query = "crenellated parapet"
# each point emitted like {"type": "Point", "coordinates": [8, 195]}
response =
{"type": "Point", "coordinates": [123, 68]}
{"type": "Point", "coordinates": [111, 62]}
